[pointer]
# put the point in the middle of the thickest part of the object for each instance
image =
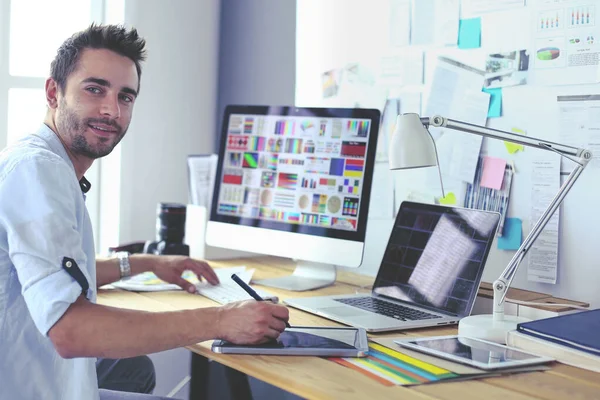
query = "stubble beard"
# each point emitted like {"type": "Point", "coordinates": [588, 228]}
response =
{"type": "Point", "coordinates": [74, 127]}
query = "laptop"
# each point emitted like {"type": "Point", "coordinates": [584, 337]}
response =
{"type": "Point", "coordinates": [429, 275]}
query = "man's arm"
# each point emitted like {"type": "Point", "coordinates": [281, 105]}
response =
{"type": "Point", "coordinates": [168, 268]}
{"type": "Point", "coordinates": [92, 330]}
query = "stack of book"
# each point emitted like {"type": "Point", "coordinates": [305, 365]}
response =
{"type": "Point", "coordinates": [572, 339]}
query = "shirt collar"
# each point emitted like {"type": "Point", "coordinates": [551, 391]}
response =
{"type": "Point", "coordinates": [48, 135]}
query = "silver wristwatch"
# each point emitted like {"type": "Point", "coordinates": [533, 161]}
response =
{"type": "Point", "coordinates": [124, 265]}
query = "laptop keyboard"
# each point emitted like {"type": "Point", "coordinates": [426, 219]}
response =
{"type": "Point", "coordinates": [386, 308]}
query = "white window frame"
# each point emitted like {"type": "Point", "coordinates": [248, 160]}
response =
{"type": "Point", "coordinates": [8, 81]}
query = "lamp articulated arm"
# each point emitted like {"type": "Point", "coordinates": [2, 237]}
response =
{"type": "Point", "coordinates": [580, 156]}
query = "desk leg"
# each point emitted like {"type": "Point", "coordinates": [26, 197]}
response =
{"type": "Point", "coordinates": [239, 388]}
{"type": "Point", "coordinates": [199, 377]}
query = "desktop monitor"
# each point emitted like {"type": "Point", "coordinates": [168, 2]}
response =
{"type": "Point", "coordinates": [295, 182]}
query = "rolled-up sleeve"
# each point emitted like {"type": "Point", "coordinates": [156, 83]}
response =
{"type": "Point", "coordinates": [39, 213]}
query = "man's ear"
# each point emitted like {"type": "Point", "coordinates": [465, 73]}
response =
{"type": "Point", "coordinates": [51, 93]}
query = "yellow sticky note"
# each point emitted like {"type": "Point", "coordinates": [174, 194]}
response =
{"type": "Point", "coordinates": [513, 147]}
{"type": "Point", "coordinates": [449, 200]}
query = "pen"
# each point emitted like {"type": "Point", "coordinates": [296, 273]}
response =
{"type": "Point", "coordinates": [250, 291]}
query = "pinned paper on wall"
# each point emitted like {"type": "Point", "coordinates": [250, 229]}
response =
{"type": "Point", "coordinates": [330, 82]}
{"type": "Point", "coordinates": [401, 67]}
{"type": "Point", "coordinates": [479, 7]}
{"type": "Point", "coordinates": [434, 22]}
{"type": "Point", "coordinates": [455, 92]}
{"type": "Point", "coordinates": [493, 172]}
{"type": "Point", "coordinates": [420, 197]}
{"type": "Point", "coordinates": [469, 33]}
{"type": "Point", "coordinates": [509, 68]}
{"type": "Point", "coordinates": [495, 108]}
{"type": "Point", "coordinates": [543, 254]}
{"type": "Point", "coordinates": [512, 235]}
{"type": "Point", "coordinates": [399, 23]}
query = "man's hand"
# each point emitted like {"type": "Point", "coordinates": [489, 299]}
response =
{"type": "Point", "coordinates": [170, 268]}
{"type": "Point", "coordinates": [251, 322]}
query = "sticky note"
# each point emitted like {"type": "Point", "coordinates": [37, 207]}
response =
{"type": "Point", "coordinates": [512, 148]}
{"type": "Point", "coordinates": [512, 234]}
{"type": "Point", "coordinates": [495, 108]}
{"type": "Point", "coordinates": [493, 172]}
{"type": "Point", "coordinates": [469, 33]}
{"type": "Point", "coordinates": [449, 199]}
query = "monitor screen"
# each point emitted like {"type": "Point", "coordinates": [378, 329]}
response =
{"type": "Point", "coordinates": [436, 255]}
{"type": "Point", "coordinates": [303, 170]}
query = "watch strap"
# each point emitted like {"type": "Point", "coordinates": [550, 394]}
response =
{"type": "Point", "coordinates": [124, 265]}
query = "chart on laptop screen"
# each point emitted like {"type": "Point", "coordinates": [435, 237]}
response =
{"type": "Point", "coordinates": [436, 258]}
{"type": "Point", "coordinates": [296, 170]}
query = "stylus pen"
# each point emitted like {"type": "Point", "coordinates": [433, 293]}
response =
{"type": "Point", "coordinates": [250, 291]}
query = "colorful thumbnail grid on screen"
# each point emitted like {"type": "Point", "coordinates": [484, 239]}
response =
{"type": "Point", "coordinates": [295, 170]}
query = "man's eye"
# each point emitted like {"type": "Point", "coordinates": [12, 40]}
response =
{"type": "Point", "coordinates": [94, 90]}
{"type": "Point", "coordinates": [126, 99]}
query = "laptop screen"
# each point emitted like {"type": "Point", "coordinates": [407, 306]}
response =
{"type": "Point", "coordinates": [436, 255]}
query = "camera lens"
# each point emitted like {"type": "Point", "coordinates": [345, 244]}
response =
{"type": "Point", "coordinates": [170, 222]}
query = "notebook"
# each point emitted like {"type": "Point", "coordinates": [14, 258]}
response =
{"type": "Point", "coordinates": [579, 331]}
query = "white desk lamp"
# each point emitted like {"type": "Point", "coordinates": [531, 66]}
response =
{"type": "Point", "coordinates": [412, 146]}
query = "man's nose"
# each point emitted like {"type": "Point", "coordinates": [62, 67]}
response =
{"type": "Point", "coordinates": [110, 107]}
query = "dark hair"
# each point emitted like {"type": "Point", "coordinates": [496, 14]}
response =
{"type": "Point", "coordinates": [111, 37]}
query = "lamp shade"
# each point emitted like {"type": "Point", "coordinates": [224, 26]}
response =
{"type": "Point", "coordinates": [411, 146]}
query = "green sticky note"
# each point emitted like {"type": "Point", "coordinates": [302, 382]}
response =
{"type": "Point", "coordinates": [513, 147]}
{"type": "Point", "coordinates": [469, 33]}
{"type": "Point", "coordinates": [495, 108]}
{"type": "Point", "coordinates": [449, 199]}
{"type": "Point", "coordinates": [511, 234]}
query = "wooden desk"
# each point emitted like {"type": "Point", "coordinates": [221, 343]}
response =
{"type": "Point", "coordinates": [317, 378]}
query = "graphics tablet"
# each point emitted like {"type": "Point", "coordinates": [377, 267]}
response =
{"type": "Point", "coordinates": [475, 352]}
{"type": "Point", "coordinates": [306, 341]}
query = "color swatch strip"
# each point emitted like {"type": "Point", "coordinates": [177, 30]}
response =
{"type": "Point", "coordinates": [390, 367]}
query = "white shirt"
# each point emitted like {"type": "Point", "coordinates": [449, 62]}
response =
{"type": "Point", "coordinates": [43, 219]}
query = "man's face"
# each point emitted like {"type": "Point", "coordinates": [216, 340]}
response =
{"type": "Point", "coordinates": [94, 111]}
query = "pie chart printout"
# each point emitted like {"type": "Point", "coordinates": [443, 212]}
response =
{"type": "Point", "coordinates": [548, 53]}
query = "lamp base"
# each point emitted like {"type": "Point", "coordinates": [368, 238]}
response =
{"type": "Point", "coordinates": [484, 327]}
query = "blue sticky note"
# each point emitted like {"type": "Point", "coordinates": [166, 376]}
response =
{"type": "Point", "coordinates": [469, 33]}
{"type": "Point", "coordinates": [511, 234]}
{"type": "Point", "coordinates": [495, 108]}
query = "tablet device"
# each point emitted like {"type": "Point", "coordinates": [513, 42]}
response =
{"type": "Point", "coordinates": [475, 352]}
{"type": "Point", "coordinates": [306, 341]}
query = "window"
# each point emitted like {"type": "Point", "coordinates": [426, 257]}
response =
{"type": "Point", "coordinates": [37, 28]}
{"type": "Point", "coordinates": [30, 33]}
{"type": "Point", "coordinates": [26, 111]}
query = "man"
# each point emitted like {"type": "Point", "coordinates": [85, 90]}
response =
{"type": "Point", "coordinates": [51, 330]}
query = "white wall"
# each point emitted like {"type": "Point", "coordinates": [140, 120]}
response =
{"type": "Point", "coordinates": [326, 39]}
{"type": "Point", "coordinates": [175, 114]}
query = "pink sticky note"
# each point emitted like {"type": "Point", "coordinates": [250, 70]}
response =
{"type": "Point", "coordinates": [493, 172]}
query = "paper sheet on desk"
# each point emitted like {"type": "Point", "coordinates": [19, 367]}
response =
{"type": "Point", "coordinates": [227, 290]}
{"type": "Point", "coordinates": [149, 282]}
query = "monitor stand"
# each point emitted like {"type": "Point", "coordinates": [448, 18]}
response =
{"type": "Point", "coordinates": [306, 276]}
